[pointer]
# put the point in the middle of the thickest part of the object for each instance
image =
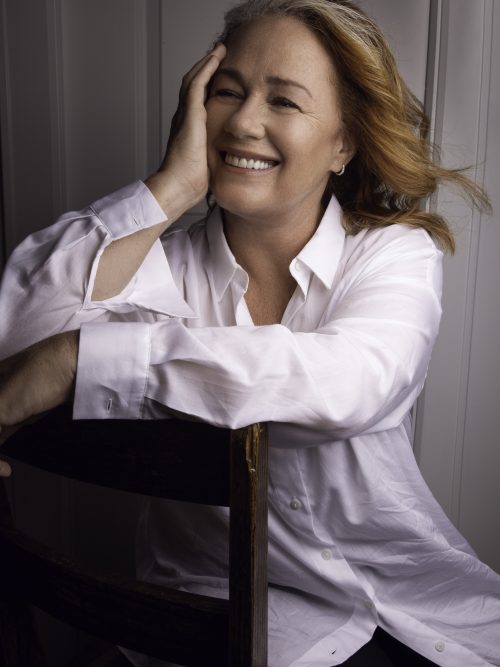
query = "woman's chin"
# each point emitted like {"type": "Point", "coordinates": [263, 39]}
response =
{"type": "Point", "coordinates": [241, 206]}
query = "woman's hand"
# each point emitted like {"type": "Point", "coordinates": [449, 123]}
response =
{"type": "Point", "coordinates": [35, 380]}
{"type": "Point", "coordinates": [184, 170]}
{"type": "Point", "coordinates": [179, 184]}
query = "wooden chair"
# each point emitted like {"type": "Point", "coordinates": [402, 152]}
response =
{"type": "Point", "coordinates": [166, 458]}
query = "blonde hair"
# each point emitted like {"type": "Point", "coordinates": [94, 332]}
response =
{"type": "Point", "coordinates": [394, 167]}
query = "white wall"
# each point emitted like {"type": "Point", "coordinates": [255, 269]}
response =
{"type": "Point", "coordinates": [87, 90]}
{"type": "Point", "coordinates": [458, 444]}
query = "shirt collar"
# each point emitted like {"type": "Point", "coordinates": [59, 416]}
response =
{"type": "Point", "coordinates": [224, 263]}
{"type": "Point", "coordinates": [320, 255]}
{"type": "Point", "coordinates": [322, 252]}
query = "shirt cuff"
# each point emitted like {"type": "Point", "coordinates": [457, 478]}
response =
{"type": "Point", "coordinates": [128, 209]}
{"type": "Point", "coordinates": [112, 371]}
{"type": "Point", "coordinates": [152, 287]}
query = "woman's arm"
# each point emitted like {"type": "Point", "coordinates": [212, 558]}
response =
{"type": "Point", "coordinates": [179, 184]}
{"type": "Point", "coordinates": [38, 378]}
{"type": "Point", "coordinates": [359, 371]}
{"type": "Point", "coordinates": [35, 380]}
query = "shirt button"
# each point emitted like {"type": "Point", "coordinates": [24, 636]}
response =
{"type": "Point", "coordinates": [326, 554]}
{"type": "Point", "coordinates": [369, 604]}
{"type": "Point", "coordinates": [298, 265]}
{"type": "Point", "coordinates": [439, 646]}
{"type": "Point", "coordinates": [295, 504]}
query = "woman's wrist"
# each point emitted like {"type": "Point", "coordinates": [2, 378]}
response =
{"type": "Point", "coordinates": [173, 196]}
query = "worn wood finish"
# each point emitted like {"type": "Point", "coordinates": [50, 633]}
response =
{"type": "Point", "coordinates": [248, 547]}
{"type": "Point", "coordinates": [174, 459]}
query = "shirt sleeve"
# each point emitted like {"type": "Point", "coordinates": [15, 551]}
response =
{"type": "Point", "coordinates": [49, 278]}
{"type": "Point", "coordinates": [359, 372]}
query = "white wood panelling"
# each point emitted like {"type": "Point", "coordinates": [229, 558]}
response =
{"type": "Point", "coordinates": [7, 214]}
{"type": "Point", "coordinates": [104, 72]}
{"type": "Point", "coordinates": [479, 498]}
{"type": "Point", "coordinates": [405, 26]}
{"type": "Point", "coordinates": [56, 98]}
{"type": "Point", "coordinates": [25, 119]}
{"type": "Point", "coordinates": [458, 442]}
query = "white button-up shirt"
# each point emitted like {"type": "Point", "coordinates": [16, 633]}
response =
{"type": "Point", "coordinates": [356, 539]}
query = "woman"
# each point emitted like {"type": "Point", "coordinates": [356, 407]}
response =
{"type": "Point", "coordinates": [309, 298]}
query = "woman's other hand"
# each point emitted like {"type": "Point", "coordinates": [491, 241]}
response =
{"type": "Point", "coordinates": [183, 177]}
{"type": "Point", "coordinates": [35, 380]}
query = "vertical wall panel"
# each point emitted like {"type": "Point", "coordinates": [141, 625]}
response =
{"type": "Point", "coordinates": [480, 488]}
{"type": "Point", "coordinates": [104, 46]}
{"type": "Point", "coordinates": [25, 119]}
{"type": "Point", "coordinates": [459, 451]}
{"type": "Point", "coordinates": [405, 25]}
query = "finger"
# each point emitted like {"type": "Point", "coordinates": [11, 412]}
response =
{"type": "Point", "coordinates": [5, 469]}
{"type": "Point", "coordinates": [198, 91]}
{"type": "Point", "coordinates": [207, 64]}
{"type": "Point", "coordinates": [219, 51]}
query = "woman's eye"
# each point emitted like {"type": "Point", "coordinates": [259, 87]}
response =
{"type": "Point", "coordinates": [285, 102]}
{"type": "Point", "coordinates": [224, 92]}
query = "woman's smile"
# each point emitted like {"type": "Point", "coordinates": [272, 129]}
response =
{"type": "Point", "coordinates": [246, 162]}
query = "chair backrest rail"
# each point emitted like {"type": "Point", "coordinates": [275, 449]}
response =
{"type": "Point", "coordinates": [158, 451]}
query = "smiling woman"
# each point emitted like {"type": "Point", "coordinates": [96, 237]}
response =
{"type": "Point", "coordinates": [309, 297]}
{"type": "Point", "coordinates": [269, 102]}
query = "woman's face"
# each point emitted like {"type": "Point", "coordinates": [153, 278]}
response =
{"type": "Point", "coordinates": [273, 121]}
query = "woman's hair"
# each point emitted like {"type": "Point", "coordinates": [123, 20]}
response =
{"type": "Point", "coordinates": [394, 167]}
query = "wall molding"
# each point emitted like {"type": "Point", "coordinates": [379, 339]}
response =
{"type": "Point", "coordinates": [461, 131]}
{"type": "Point", "coordinates": [56, 89]}
{"type": "Point", "coordinates": [474, 246]}
{"type": "Point", "coordinates": [7, 155]}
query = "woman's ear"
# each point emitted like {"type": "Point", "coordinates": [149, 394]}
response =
{"type": "Point", "coordinates": [345, 150]}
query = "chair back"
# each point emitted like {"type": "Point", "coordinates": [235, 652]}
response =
{"type": "Point", "coordinates": [176, 459]}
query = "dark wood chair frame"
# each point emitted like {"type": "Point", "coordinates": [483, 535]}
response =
{"type": "Point", "coordinates": [174, 459]}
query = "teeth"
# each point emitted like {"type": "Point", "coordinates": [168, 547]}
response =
{"type": "Point", "coordinates": [243, 163]}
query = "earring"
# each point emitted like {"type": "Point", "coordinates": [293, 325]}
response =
{"type": "Point", "coordinates": [341, 171]}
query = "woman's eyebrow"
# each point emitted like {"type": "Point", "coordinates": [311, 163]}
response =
{"type": "Point", "coordinates": [273, 80]}
{"type": "Point", "coordinates": [278, 80]}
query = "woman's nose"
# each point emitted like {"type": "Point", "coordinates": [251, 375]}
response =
{"type": "Point", "coordinates": [247, 121]}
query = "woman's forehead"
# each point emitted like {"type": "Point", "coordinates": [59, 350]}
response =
{"type": "Point", "coordinates": [279, 47]}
